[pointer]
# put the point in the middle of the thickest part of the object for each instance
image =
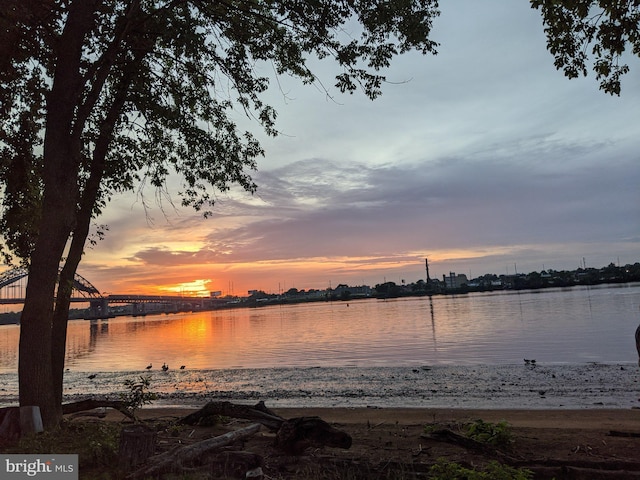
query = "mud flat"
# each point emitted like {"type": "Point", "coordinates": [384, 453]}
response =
{"type": "Point", "coordinates": [539, 386]}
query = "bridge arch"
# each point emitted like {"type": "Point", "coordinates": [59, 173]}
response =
{"type": "Point", "coordinates": [80, 284]}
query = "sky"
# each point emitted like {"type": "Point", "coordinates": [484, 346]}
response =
{"type": "Point", "coordinates": [483, 159]}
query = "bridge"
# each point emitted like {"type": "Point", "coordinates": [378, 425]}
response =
{"type": "Point", "coordinates": [13, 285]}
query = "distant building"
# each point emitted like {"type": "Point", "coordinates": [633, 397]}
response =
{"type": "Point", "coordinates": [357, 291]}
{"type": "Point", "coordinates": [455, 281]}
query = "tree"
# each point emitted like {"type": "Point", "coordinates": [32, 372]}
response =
{"type": "Point", "coordinates": [608, 27]}
{"type": "Point", "coordinates": [99, 98]}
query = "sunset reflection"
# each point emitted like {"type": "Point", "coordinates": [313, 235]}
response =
{"type": "Point", "coordinates": [488, 328]}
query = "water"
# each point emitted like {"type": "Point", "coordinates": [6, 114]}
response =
{"type": "Point", "coordinates": [338, 350]}
{"type": "Point", "coordinates": [574, 325]}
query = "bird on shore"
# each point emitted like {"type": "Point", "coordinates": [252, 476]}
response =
{"type": "Point", "coordinates": [165, 367]}
{"type": "Point", "coordinates": [181, 367]}
{"type": "Point", "coordinates": [149, 367]}
{"type": "Point", "coordinates": [92, 376]}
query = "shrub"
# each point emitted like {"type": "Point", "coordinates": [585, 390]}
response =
{"type": "Point", "coordinates": [496, 434]}
{"type": "Point", "coordinates": [138, 394]}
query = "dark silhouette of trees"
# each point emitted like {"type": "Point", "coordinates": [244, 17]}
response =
{"type": "Point", "coordinates": [592, 32]}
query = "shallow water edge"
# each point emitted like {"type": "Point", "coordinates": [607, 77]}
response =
{"type": "Point", "coordinates": [591, 385]}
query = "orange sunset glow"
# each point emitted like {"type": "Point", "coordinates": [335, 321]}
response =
{"type": "Point", "coordinates": [269, 276]}
{"type": "Point", "coordinates": [274, 276]}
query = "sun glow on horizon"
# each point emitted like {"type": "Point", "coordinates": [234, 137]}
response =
{"type": "Point", "coordinates": [198, 288]}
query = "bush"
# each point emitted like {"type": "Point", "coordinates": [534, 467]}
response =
{"type": "Point", "coordinates": [496, 434]}
{"type": "Point", "coordinates": [138, 394]}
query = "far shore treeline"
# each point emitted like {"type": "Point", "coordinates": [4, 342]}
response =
{"type": "Point", "coordinates": [458, 284]}
{"type": "Point", "coordinates": [452, 284]}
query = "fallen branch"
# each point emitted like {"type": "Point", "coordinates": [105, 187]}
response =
{"type": "Point", "coordinates": [91, 403]}
{"type": "Point", "coordinates": [167, 461]}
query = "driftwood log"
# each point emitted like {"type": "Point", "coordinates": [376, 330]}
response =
{"type": "Point", "coordinates": [258, 413]}
{"type": "Point", "coordinates": [91, 403]}
{"type": "Point", "coordinates": [169, 461]}
{"type": "Point", "coordinates": [293, 436]}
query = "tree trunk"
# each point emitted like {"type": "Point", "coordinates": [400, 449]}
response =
{"type": "Point", "coordinates": [34, 366]}
{"type": "Point", "coordinates": [59, 336]}
{"type": "Point", "coordinates": [81, 232]}
{"type": "Point", "coordinates": [61, 314]}
{"type": "Point", "coordinates": [61, 162]}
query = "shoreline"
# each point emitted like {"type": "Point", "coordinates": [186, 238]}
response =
{"type": "Point", "coordinates": [487, 387]}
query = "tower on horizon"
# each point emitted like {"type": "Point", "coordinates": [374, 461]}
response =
{"type": "Point", "coordinates": [426, 263]}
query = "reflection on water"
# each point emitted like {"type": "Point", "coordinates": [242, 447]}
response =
{"type": "Point", "coordinates": [574, 325]}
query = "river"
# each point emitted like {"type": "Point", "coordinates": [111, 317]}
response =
{"type": "Point", "coordinates": [337, 342]}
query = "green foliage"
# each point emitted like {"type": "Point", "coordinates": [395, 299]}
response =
{"type": "Point", "coordinates": [430, 428]}
{"type": "Point", "coordinates": [138, 394]}
{"type": "Point", "coordinates": [497, 434]}
{"type": "Point", "coordinates": [444, 470]}
{"type": "Point", "coordinates": [608, 28]}
{"type": "Point", "coordinates": [21, 174]}
{"type": "Point", "coordinates": [144, 90]}
{"type": "Point", "coordinates": [96, 443]}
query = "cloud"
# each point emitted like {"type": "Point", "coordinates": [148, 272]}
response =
{"type": "Point", "coordinates": [318, 208]}
{"type": "Point", "coordinates": [481, 157]}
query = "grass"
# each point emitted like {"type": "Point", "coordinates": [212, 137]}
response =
{"type": "Point", "coordinates": [96, 444]}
